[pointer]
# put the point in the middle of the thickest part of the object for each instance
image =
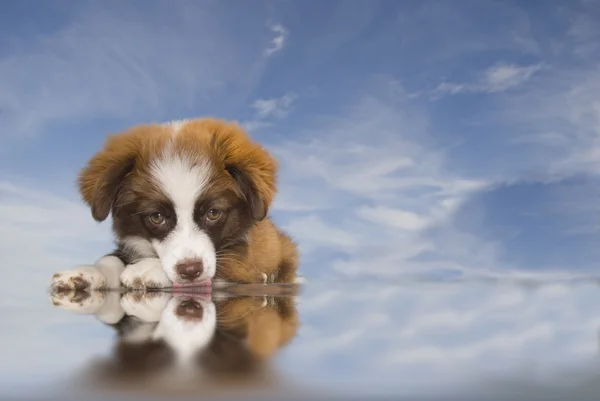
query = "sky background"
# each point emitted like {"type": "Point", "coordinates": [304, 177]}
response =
{"type": "Point", "coordinates": [414, 137]}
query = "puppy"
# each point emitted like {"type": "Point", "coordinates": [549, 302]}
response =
{"type": "Point", "coordinates": [189, 203]}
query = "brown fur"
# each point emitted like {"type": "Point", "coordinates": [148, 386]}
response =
{"type": "Point", "coordinates": [269, 251]}
{"type": "Point", "coordinates": [117, 180]}
{"type": "Point", "coordinates": [265, 329]}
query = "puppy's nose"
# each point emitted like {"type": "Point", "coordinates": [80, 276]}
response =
{"type": "Point", "coordinates": [190, 270]}
{"type": "Point", "coordinates": [190, 309]}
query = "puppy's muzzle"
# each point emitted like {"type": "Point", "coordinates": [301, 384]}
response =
{"type": "Point", "coordinates": [189, 309]}
{"type": "Point", "coordinates": [190, 270]}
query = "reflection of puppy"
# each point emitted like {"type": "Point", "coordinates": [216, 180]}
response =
{"type": "Point", "coordinates": [265, 325]}
{"type": "Point", "coordinates": [178, 340]}
{"type": "Point", "coordinates": [166, 334]}
{"type": "Point", "coordinates": [189, 201]}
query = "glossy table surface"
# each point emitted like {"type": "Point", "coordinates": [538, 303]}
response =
{"type": "Point", "coordinates": [439, 339]}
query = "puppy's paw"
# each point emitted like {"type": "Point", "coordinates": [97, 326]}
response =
{"type": "Point", "coordinates": [146, 306]}
{"type": "Point", "coordinates": [268, 278]}
{"type": "Point", "coordinates": [78, 279]}
{"type": "Point", "coordinates": [79, 301]}
{"type": "Point", "coordinates": [145, 274]}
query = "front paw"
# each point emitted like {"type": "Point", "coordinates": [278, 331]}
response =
{"type": "Point", "coordinates": [78, 279]}
{"type": "Point", "coordinates": [268, 279]}
{"type": "Point", "coordinates": [78, 301]}
{"type": "Point", "coordinates": [145, 274]}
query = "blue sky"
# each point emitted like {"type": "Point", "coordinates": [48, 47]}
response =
{"type": "Point", "coordinates": [413, 136]}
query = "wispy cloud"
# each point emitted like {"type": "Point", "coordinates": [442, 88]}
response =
{"type": "Point", "coordinates": [278, 41]}
{"type": "Point", "coordinates": [418, 336]}
{"type": "Point", "coordinates": [107, 65]}
{"type": "Point", "coordinates": [497, 78]}
{"type": "Point", "coordinates": [275, 107]}
{"type": "Point", "coordinates": [266, 110]}
{"type": "Point", "coordinates": [384, 195]}
{"type": "Point", "coordinates": [41, 233]}
{"type": "Point", "coordinates": [392, 217]}
{"type": "Point", "coordinates": [555, 122]}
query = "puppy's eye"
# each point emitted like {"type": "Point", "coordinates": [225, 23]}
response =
{"type": "Point", "coordinates": [213, 214]}
{"type": "Point", "coordinates": [156, 218]}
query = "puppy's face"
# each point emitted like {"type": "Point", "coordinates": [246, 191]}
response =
{"type": "Point", "coordinates": [183, 209]}
{"type": "Point", "coordinates": [181, 193]}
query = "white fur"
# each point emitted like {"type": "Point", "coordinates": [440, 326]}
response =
{"type": "Point", "coordinates": [186, 337]}
{"type": "Point", "coordinates": [111, 311]}
{"type": "Point", "coordinates": [147, 308]}
{"type": "Point", "coordinates": [90, 274]}
{"type": "Point", "coordinates": [111, 268]}
{"type": "Point", "coordinates": [140, 333]}
{"type": "Point", "coordinates": [105, 306]}
{"type": "Point", "coordinates": [146, 272]}
{"type": "Point", "coordinates": [183, 182]}
{"type": "Point", "coordinates": [102, 274]}
{"type": "Point", "coordinates": [176, 125]}
{"type": "Point", "coordinates": [138, 246]}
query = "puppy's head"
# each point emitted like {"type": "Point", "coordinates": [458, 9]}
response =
{"type": "Point", "coordinates": [180, 191]}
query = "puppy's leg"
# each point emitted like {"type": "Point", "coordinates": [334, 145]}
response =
{"type": "Point", "coordinates": [146, 273]}
{"type": "Point", "coordinates": [290, 259]}
{"type": "Point", "coordinates": [104, 274]}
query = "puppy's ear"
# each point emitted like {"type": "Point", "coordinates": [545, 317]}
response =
{"type": "Point", "coordinates": [99, 181]}
{"type": "Point", "coordinates": [252, 167]}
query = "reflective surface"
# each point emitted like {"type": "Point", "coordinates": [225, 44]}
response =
{"type": "Point", "coordinates": [442, 339]}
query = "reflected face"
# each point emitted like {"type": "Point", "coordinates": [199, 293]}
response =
{"type": "Point", "coordinates": [187, 324]}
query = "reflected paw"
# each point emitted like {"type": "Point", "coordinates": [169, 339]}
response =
{"type": "Point", "coordinates": [146, 306]}
{"type": "Point", "coordinates": [78, 301]}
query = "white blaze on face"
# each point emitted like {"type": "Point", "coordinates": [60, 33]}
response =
{"type": "Point", "coordinates": [176, 125]}
{"type": "Point", "coordinates": [183, 181]}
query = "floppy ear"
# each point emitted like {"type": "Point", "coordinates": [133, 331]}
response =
{"type": "Point", "coordinates": [99, 181]}
{"type": "Point", "coordinates": [252, 167]}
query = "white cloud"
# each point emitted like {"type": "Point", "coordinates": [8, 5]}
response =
{"type": "Point", "coordinates": [266, 110]}
{"type": "Point", "coordinates": [419, 336]}
{"type": "Point", "coordinates": [42, 233]}
{"type": "Point", "coordinates": [278, 41]}
{"type": "Point", "coordinates": [316, 234]}
{"type": "Point", "coordinates": [558, 119]}
{"type": "Point", "coordinates": [501, 77]}
{"type": "Point", "coordinates": [392, 217]}
{"type": "Point", "coordinates": [117, 65]}
{"type": "Point", "coordinates": [274, 107]}
{"type": "Point", "coordinates": [377, 183]}
{"type": "Point", "coordinates": [497, 78]}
